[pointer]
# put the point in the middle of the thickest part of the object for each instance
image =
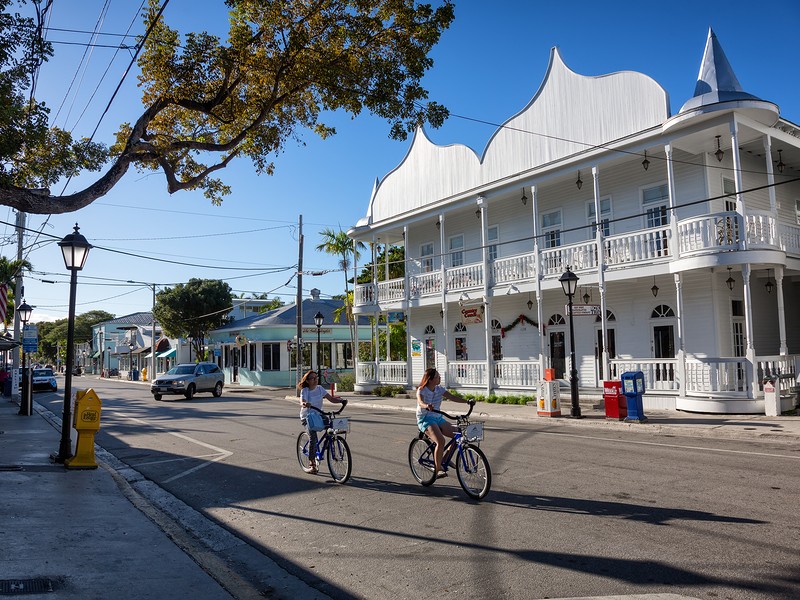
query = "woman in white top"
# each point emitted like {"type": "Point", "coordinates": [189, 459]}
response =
{"type": "Point", "coordinates": [435, 426]}
{"type": "Point", "coordinates": [312, 394]}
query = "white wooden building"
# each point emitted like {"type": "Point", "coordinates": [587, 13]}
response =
{"type": "Point", "coordinates": [691, 273]}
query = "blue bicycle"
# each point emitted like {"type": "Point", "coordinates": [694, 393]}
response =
{"type": "Point", "coordinates": [471, 465]}
{"type": "Point", "coordinates": [331, 444]}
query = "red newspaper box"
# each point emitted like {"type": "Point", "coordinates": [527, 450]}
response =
{"type": "Point", "coordinates": [615, 401]}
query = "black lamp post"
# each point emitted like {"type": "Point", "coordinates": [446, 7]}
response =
{"type": "Point", "coordinates": [318, 319]}
{"type": "Point", "coordinates": [75, 249]}
{"type": "Point", "coordinates": [569, 283]}
{"type": "Point", "coordinates": [25, 401]}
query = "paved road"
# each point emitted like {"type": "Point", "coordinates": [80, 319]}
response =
{"type": "Point", "coordinates": [572, 512]}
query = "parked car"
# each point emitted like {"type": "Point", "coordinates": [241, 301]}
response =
{"type": "Point", "coordinates": [188, 379]}
{"type": "Point", "coordinates": [44, 379]}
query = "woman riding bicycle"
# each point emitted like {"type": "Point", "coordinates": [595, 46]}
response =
{"type": "Point", "coordinates": [312, 394]}
{"type": "Point", "coordinates": [434, 425]}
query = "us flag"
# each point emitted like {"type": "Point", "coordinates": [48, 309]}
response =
{"type": "Point", "coordinates": [3, 302]}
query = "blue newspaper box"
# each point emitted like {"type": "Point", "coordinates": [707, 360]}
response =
{"type": "Point", "coordinates": [632, 389]}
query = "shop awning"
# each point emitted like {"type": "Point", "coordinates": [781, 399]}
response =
{"type": "Point", "coordinates": [96, 354]}
{"type": "Point", "coordinates": [168, 354]}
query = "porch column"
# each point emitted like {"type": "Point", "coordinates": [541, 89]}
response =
{"type": "Point", "coordinates": [773, 203]}
{"type": "Point", "coordinates": [601, 276]}
{"type": "Point", "coordinates": [737, 172]}
{"type": "Point", "coordinates": [681, 345]}
{"type": "Point", "coordinates": [388, 327]}
{"type": "Point", "coordinates": [487, 314]}
{"type": "Point", "coordinates": [444, 371]}
{"type": "Point", "coordinates": [407, 307]}
{"type": "Point", "coordinates": [376, 328]}
{"type": "Point", "coordinates": [673, 217]}
{"type": "Point", "coordinates": [748, 328]}
{"type": "Point", "coordinates": [537, 271]}
{"type": "Point", "coordinates": [784, 350]}
{"type": "Point", "coordinates": [356, 317]}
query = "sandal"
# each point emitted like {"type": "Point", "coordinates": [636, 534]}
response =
{"type": "Point", "coordinates": [440, 474]}
{"type": "Point", "coordinates": [311, 469]}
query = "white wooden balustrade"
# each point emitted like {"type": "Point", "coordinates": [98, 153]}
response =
{"type": "Point", "coordinates": [392, 372]}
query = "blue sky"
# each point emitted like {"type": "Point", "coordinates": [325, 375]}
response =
{"type": "Point", "coordinates": [487, 67]}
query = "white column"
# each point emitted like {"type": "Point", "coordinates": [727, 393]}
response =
{"type": "Point", "coordinates": [748, 328]}
{"type": "Point", "coordinates": [737, 172]}
{"type": "Point", "coordinates": [784, 350]}
{"type": "Point", "coordinates": [407, 307]}
{"type": "Point", "coordinates": [681, 345]}
{"type": "Point", "coordinates": [537, 271]}
{"type": "Point", "coordinates": [601, 276]}
{"type": "Point", "coordinates": [354, 337]}
{"type": "Point", "coordinates": [773, 203]}
{"type": "Point", "coordinates": [487, 314]}
{"type": "Point", "coordinates": [443, 371]}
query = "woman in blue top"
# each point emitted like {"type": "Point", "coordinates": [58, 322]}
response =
{"type": "Point", "coordinates": [312, 394]}
{"type": "Point", "coordinates": [435, 426]}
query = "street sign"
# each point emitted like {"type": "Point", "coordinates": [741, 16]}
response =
{"type": "Point", "coordinates": [30, 338]}
{"type": "Point", "coordinates": [584, 310]}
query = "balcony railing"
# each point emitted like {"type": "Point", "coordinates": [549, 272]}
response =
{"type": "Point", "coordinates": [659, 373]}
{"type": "Point", "coordinates": [720, 232]}
{"type": "Point", "coordinates": [466, 373]}
{"type": "Point", "coordinates": [516, 374]}
{"type": "Point", "coordinates": [392, 372]}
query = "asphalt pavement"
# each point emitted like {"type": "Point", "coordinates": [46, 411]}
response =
{"type": "Point", "coordinates": [108, 532]}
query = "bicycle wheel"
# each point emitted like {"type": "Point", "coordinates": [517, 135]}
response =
{"type": "Point", "coordinates": [340, 463]}
{"type": "Point", "coordinates": [473, 471]}
{"type": "Point", "coordinates": [302, 449]}
{"type": "Point", "coordinates": [420, 459]}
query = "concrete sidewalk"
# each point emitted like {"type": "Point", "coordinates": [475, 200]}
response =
{"type": "Point", "coordinates": [108, 532]}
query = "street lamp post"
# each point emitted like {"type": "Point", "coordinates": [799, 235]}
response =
{"type": "Point", "coordinates": [75, 249]}
{"type": "Point", "coordinates": [131, 346]}
{"type": "Point", "coordinates": [569, 283]}
{"type": "Point", "coordinates": [26, 400]}
{"type": "Point", "coordinates": [318, 320]}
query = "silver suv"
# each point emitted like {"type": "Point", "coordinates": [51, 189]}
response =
{"type": "Point", "coordinates": [189, 379]}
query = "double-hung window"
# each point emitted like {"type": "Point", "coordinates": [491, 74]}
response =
{"type": "Point", "coordinates": [605, 215]}
{"type": "Point", "coordinates": [655, 203]}
{"type": "Point", "coordinates": [551, 238]}
{"type": "Point", "coordinates": [456, 248]}
{"type": "Point", "coordinates": [271, 357]}
{"type": "Point", "coordinates": [492, 239]}
{"type": "Point", "coordinates": [426, 257]}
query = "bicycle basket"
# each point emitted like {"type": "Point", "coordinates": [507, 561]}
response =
{"type": "Point", "coordinates": [341, 425]}
{"type": "Point", "coordinates": [473, 432]}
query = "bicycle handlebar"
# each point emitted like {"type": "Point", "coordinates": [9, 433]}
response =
{"type": "Point", "coordinates": [456, 417]}
{"type": "Point", "coordinates": [328, 412]}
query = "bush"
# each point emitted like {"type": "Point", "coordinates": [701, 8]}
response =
{"type": "Point", "coordinates": [493, 399]}
{"type": "Point", "coordinates": [387, 391]}
{"type": "Point", "coordinates": [347, 382]}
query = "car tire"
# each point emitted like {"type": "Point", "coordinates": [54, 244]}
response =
{"type": "Point", "coordinates": [157, 397]}
{"type": "Point", "coordinates": [189, 392]}
{"type": "Point", "coordinates": [217, 392]}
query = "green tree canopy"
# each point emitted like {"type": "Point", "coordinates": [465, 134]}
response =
{"type": "Point", "coordinates": [193, 309]}
{"type": "Point", "coordinates": [206, 101]}
{"type": "Point", "coordinates": [53, 335]}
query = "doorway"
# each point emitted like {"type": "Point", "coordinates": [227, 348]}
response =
{"type": "Point", "coordinates": [558, 354]}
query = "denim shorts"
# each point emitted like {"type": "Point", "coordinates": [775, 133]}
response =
{"type": "Point", "coordinates": [426, 421]}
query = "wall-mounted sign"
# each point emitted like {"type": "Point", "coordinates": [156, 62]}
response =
{"type": "Point", "coordinates": [396, 317]}
{"type": "Point", "coordinates": [471, 315]}
{"type": "Point", "coordinates": [583, 310]}
{"type": "Point", "coordinates": [416, 348]}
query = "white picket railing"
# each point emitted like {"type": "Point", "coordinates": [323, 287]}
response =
{"type": "Point", "coordinates": [640, 246]}
{"type": "Point", "coordinates": [392, 372]}
{"type": "Point", "coordinates": [715, 375]}
{"type": "Point", "coordinates": [516, 374]}
{"type": "Point", "coordinates": [762, 230]}
{"type": "Point", "coordinates": [466, 373]}
{"type": "Point", "coordinates": [391, 291]}
{"type": "Point", "coordinates": [465, 277]}
{"type": "Point", "coordinates": [659, 373]}
{"type": "Point", "coordinates": [790, 239]}
{"type": "Point", "coordinates": [721, 231]}
{"type": "Point", "coordinates": [366, 372]}
{"type": "Point", "coordinates": [364, 294]}
{"type": "Point", "coordinates": [514, 268]}
{"type": "Point", "coordinates": [425, 284]}
{"type": "Point", "coordinates": [579, 257]}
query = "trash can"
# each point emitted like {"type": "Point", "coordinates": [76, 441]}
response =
{"type": "Point", "coordinates": [135, 375]}
{"type": "Point", "coordinates": [633, 388]}
{"type": "Point", "coordinates": [616, 402]}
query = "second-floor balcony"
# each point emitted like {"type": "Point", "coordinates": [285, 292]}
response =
{"type": "Point", "coordinates": [707, 234]}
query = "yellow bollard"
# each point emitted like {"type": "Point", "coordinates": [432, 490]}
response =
{"type": "Point", "coordinates": [86, 421]}
{"type": "Point", "coordinates": [144, 374]}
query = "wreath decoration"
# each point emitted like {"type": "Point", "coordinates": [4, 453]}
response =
{"type": "Point", "coordinates": [515, 322]}
{"type": "Point", "coordinates": [240, 340]}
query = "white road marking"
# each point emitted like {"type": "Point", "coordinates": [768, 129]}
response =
{"type": "Point", "coordinates": [217, 455]}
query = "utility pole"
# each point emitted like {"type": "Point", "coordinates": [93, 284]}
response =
{"type": "Point", "coordinates": [299, 303]}
{"type": "Point", "coordinates": [19, 292]}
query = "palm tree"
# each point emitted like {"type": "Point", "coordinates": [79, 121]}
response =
{"type": "Point", "coordinates": [9, 270]}
{"type": "Point", "coordinates": [336, 243]}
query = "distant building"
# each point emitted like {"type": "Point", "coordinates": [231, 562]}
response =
{"type": "Point", "coordinates": [262, 349]}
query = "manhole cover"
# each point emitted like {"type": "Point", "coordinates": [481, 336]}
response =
{"type": "Point", "coordinates": [39, 585]}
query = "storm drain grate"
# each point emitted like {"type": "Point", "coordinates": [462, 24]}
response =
{"type": "Point", "coordinates": [26, 586]}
